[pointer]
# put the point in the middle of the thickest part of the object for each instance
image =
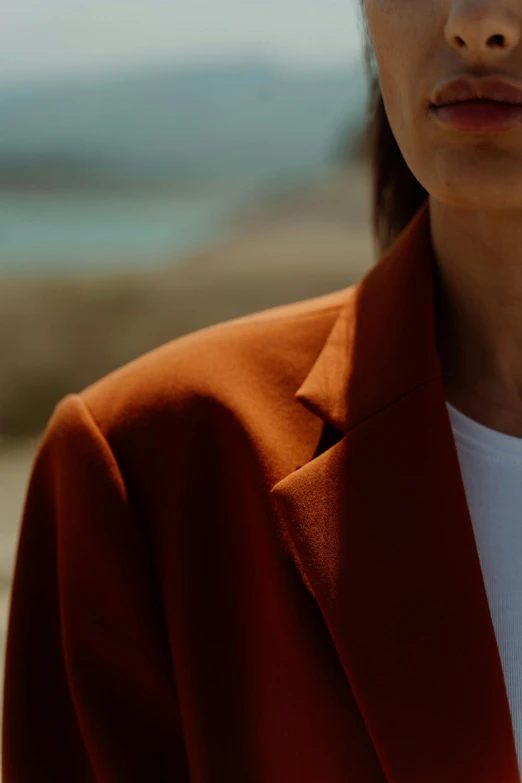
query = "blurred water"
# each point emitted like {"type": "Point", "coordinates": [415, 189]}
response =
{"type": "Point", "coordinates": [140, 169]}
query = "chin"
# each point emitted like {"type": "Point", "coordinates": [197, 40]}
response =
{"type": "Point", "coordinates": [465, 182]}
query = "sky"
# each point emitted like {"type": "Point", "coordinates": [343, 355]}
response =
{"type": "Point", "coordinates": [40, 38]}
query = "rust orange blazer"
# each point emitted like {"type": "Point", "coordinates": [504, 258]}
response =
{"type": "Point", "coordinates": [247, 557]}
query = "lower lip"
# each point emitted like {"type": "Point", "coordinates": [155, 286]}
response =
{"type": "Point", "coordinates": [480, 116]}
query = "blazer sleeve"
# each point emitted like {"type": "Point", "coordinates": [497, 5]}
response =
{"type": "Point", "coordinates": [89, 686]}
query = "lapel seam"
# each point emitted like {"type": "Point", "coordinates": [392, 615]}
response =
{"type": "Point", "coordinates": [392, 402]}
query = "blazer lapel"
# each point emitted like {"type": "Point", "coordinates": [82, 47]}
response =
{"type": "Point", "coordinates": [379, 528]}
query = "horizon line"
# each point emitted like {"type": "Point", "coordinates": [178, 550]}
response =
{"type": "Point", "coordinates": [56, 75]}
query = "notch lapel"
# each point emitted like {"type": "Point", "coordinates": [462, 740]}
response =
{"type": "Point", "coordinates": [379, 528]}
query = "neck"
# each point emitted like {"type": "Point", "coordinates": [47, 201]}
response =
{"type": "Point", "coordinates": [479, 312]}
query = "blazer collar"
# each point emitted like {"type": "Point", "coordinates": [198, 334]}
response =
{"type": "Point", "coordinates": [379, 529]}
{"type": "Point", "coordinates": [383, 342]}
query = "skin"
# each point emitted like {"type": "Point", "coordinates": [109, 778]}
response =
{"type": "Point", "coordinates": [474, 182]}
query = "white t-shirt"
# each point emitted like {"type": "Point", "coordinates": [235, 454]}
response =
{"type": "Point", "coordinates": [491, 467]}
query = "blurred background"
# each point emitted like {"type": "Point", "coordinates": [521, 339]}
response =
{"type": "Point", "coordinates": [164, 165]}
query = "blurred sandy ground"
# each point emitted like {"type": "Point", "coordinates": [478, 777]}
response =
{"type": "Point", "coordinates": [58, 337]}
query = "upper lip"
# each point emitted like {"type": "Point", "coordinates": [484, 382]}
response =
{"type": "Point", "coordinates": [465, 88]}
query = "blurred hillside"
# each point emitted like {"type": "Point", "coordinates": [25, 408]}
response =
{"type": "Point", "coordinates": [177, 127]}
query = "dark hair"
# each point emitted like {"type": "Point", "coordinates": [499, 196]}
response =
{"type": "Point", "coordinates": [396, 192]}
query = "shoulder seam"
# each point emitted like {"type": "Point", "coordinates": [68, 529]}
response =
{"type": "Point", "coordinates": [260, 317]}
{"type": "Point", "coordinates": [111, 458]}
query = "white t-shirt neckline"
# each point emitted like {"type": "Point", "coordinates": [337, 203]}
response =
{"type": "Point", "coordinates": [473, 434]}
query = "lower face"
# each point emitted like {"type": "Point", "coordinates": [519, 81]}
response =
{"type": "Point", "coordinates": [461, 168]}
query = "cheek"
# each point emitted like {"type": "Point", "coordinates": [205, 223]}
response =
{"type": "Point", "coordinates": [388, 33]}
{"type": "Point", "coordinates": [386, 20]}
{"type": "Point", "coordinates": [398, 35]}
{"type": "Point", "coordinates": [400, 31]}
{"type": "Point", "coordinates": [408, 116]}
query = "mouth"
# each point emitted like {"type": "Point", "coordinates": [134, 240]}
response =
{"type": "Point", "coordinates": [474, 101]}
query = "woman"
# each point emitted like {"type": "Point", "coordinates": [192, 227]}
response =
{"type": "Point", "coordinates": [288, 548]}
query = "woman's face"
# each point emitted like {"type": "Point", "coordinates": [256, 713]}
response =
{"type": "Point", "coordinates": [419, 45]}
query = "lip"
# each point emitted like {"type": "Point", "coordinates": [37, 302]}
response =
{"type": "Point", "coordinates": [466, 88]}
{"type": "Point", "coordinates": [478, 116]}
{"type": "Point", "coordinates": [486, 104]}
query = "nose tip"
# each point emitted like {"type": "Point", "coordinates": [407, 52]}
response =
{"type": "Point", "coordinates": [482, 30]}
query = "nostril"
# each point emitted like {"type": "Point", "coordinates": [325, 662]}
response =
{"type": "Point", "coordinates": [497, 40]}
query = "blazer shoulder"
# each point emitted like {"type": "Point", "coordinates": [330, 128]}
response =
{"type": "Point", "coordinates": [264, 353]}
